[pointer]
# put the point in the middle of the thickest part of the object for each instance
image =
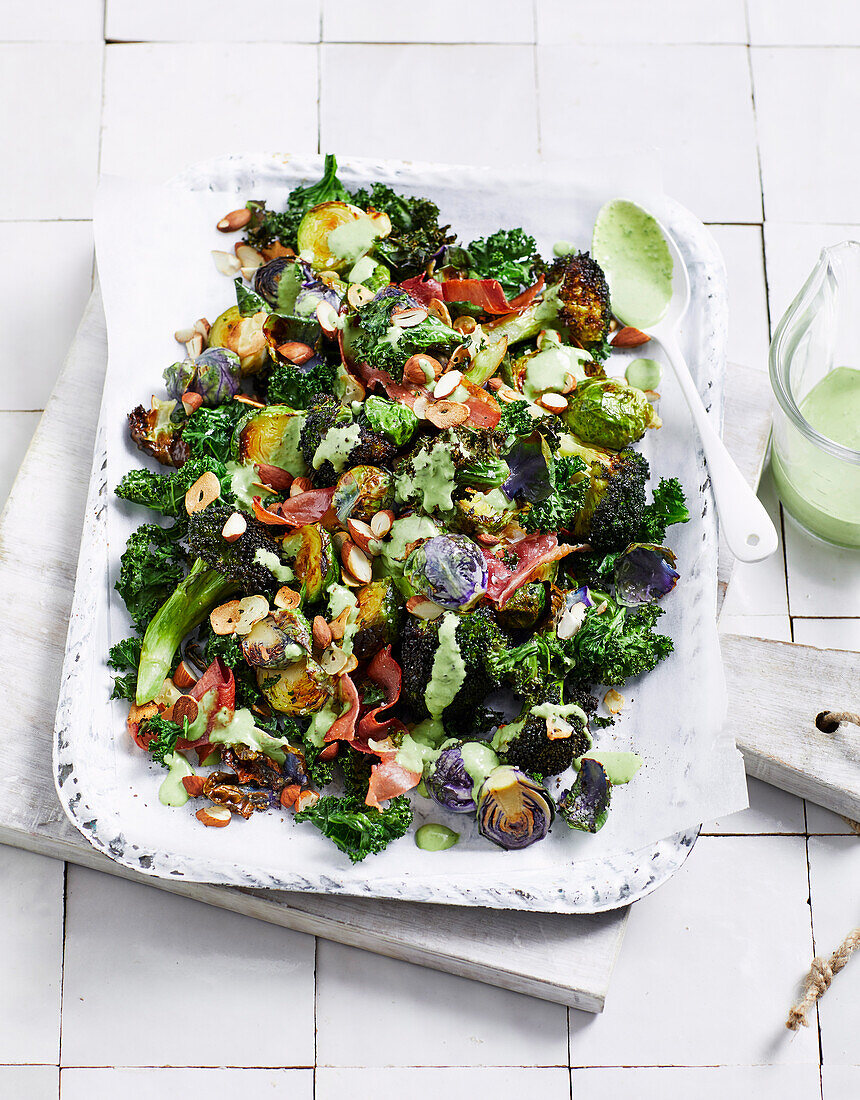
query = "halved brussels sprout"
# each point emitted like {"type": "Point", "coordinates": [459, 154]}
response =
{"type": "Point", "coordinates": [313, 560]}
{"type": "Point", "coordinates": [269, 278]}
{"type": "Point", "coordinates": [280, 330]}
{"type": "Point", "coordinates": [448, 782]}
{"type": "Point", "coordinates": [362, 492]}
{"type": "Point", "coordinates": [302, 688]}
{"type": "Point", "coordinates": [277, 640]}
{"type": "Point", "coordinates": [214, 374]}
{"type": "Point", "coordinates": [450, 570]}
{"type": "Point", "coordinates": [513, 810]}
{"type": "Point", "coordinates": [397, 422]}
{"type": "Point", "coordinates": [320, 221]}
{"type": "Point", "coordinates": [644, 573]}
{"type": "Point", "coordinates": [479, 513]}
{"type": "Point", "coordinates": [586, 805]}
{"type": "Point", "coordinates": [270, 437]}
{"type": "Point", "coordinates": [379, 613]}
{"type": "Point", "coordinates": [242, 335]}
{"type": "Point", "coordinates": [524, 608]}
{"type": "Point", "coordinates": [608, 413]}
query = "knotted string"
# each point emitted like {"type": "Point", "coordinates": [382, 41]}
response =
{"type": "Point", "coordinates": [818, 980]}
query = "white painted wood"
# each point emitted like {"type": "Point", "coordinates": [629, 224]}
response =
{"type": "Point", "coordinates": [556, 957]}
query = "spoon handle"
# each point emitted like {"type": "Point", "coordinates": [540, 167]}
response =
{"type": "Point", "coordinates": [748, 530]}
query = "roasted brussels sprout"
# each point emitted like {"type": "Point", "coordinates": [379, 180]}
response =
{"type": "Point", "coordinates": [214, 374]}
{"type": "Point", "coordinates": [513, 810]}
{"type": "Point", "coordinates": [277, 640]}
{"type": "Point", "coordinates": [154, 433]}
{"type": "Point", "coordinates": [242, 335]}
{"type": "Point", "coordinates": [268, 279]}
{"type": "Point", "coordinates": [456, 772]}
{"type": "Point", "coordinates": [313, 560]}
{"type": "Point", "coordinates": [480, 513]}
{"type": "Point", "coordinates": [397, 422]}
{"type": "Point", "coordinates": [608, 413]}
{"type": "Point", "coordinates": [644, 573]}
{"type": "Point", "coordinates": [450, 570]}
{"type": "Point", "coordinates": [362, 492]}
{"type": "Point", "coordinates": [336, 234]}
{"type": "Point", "coordinates": [524, 608]}
{"type": "Point", "coordinates": [302, 688]}
{"type": "Point", "coordinates": [586, 805]}
{"type": "Point", "coordinates": [270, 437]}
{"type": "Point", "coordinates": [380, 610]}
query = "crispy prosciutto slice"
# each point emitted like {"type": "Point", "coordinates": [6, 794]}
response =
{"type": "Point", "coordinates": [343, 728]}
{"type": "Point", "coordinates": [531, 552]}
{"type": "Point", "coordinates": [423, 289]}
{"type": "Point", "coordinates": [308, 507]}
{"type": "Point", "coordinates": [487, 294]}
{"type": "Point", "coordinates": [389, 779]}
{"type": "Point", "coordinates": [385, 672]}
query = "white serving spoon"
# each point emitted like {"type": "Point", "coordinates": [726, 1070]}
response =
{"type": "Point", "coordinates": [748, 530]}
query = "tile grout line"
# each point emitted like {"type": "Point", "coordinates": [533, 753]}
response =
{"type": "Point", "coordinates": [63, 967]}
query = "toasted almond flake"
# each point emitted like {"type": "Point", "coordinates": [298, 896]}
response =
{"type": "Point", "coordinates": [236, 219]}
{"type": "Point", "coordinates": [322, 633]}
{"type": "Point", "coordinates": [191, 402]}
{"type": "Point", "coordinates": [408, 316]}
{"type": "Point", "coordinates": [248, 257]}
{"type": "Point", "coordinates": [215, 816]}
{"type": "Point", "coordinates": [571, 620]}
{"type": "Point", "coordinates": [338, 625]}
{"type": "Point", "coordinates": [185, 676]}
{"type": "Point", "coordinates": [421, 369]}
{"type": "Point", "coordinates": [205, 491]}
{"type": "Point", "coordinates": [289, 794]}
{"type": "Point", "coordinates": [361, 534]}
{"type": "Point", "coordinates": [462, 355]}
{"type": "Point", "coordinates": [286, 597]}
{"type": "Point", "coordinates": [243, 399]}
{"type": "Point", "coordinates": [569, 383]}
{"type": "Point", "coordinates": [506, 394]}
{"type": "Point", "coordinates": [226, 264]}
{"type": "Point", "coordinates": [333, 660]}
{"type": "Point", "coordinates": [356, 561]}
{"type": "Point", "coordinates": [380, 523]}
{"type": "Point", "coordinates": [447, 414]}
{"type": "Point", "coordinates": [234, 528]}
{"type": "Point", "coordinates": [306, 799]}
{"type": "Point", "coordinates": [300, 485]}
{"type": "Point", "coordinates": [183, 335]}
{"type": "Point", "coordinates": [557, 729]}
{"type": "Point", "coordinates": [185, 708]}
{"type": "Point", "coordinates": [296, 352]}
{"type": "Point", "coordinates": [327, 317]}
{"type": "Point", "coordinates": [439, 310]}
{"type": "Point", "coordinates": [447, 384]}
{"type": "Point", "coordinates": [423, 608]}
{"type": "Point", "coordinates": [420, 406]}
{"type": "Point", "coordinates": [614, 701]}
{"type": "Point", "coordinates": [194, 346]}
{"type": "Point", "coordinates": [239, 616]}
{"type": "Point", "coordinates": [465, 325]}
{"type": "Point", "coordinates": [359, 295]}
{"type": "Point", "coordinates": [553, 402]}
{"type": "Point", "coordinates": [352, 389]}
{"type": "Point", "coordinates": [486, 539]}
{"type": "Point", "coordinates": [248, 273]}
{"type": "Point", "coordinates": [350, 581]}
{"type": "Point", "coordinates": [203, 327]}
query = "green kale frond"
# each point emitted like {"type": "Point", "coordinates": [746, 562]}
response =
{"type": "Point", "coordinates": [357, 829]}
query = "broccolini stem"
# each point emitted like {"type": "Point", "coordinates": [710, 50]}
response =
{"type": "Point", "coordinates": [194, 597]}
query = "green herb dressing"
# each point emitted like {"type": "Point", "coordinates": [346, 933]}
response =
{"type": "Point", "coordinates": [432, 478]}
{"type": "Point", "coordinates": [420, 747]}
{"type": "Point", "coordinates": [620, 767]}
{"type": "Point", "coordinates": [644, 374]}
{"type": "Point", "coordinates": [270, 560]}
{"type": "Point", "coordinates": [563, 248]}
{"type": "Point", "coordinates": [478, 760]}
{"type": "Point", "coordinates": [238, 728]}
{"type": "Point", "coordinates": [172, 792]}
{"type": "Point", "coordinates": [336, 445]}
{"type": "Point", "coordinates": [205, 707]}
{"type": "Point", "coordinates": [340, 598]}
{"type": "Point", "coordinates": [353, 239]}
{"type": "Point", "coordinates": [362, 270]}
{"type": "Point", "coordinates": [245, 484]}
{"type": "Point", "coordinates": [630, 247]}
{"type": "Point", "coordinates": [288, 456]}
{"type": "Point", "coordinates": [321, 723]}
{"type": "Point", "coordinates": [546, 372]}
{"type": "Point", "coordinates": [557, 710]}
{"type": "Point", "coordinates": [449, 668]}
{"type": "Point", "coordinates": [435, 838]}
{"type": "Point", "coordinates": [395, 548]}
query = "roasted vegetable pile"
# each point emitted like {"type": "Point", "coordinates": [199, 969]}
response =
{"type": "Point", "coordinates": [403, 530]}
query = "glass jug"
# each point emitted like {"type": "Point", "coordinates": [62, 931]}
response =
{"type": "Point", "coordinates": [815, 374]}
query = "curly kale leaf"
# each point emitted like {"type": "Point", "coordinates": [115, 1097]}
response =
{"type": "Point", "coordinates": [357, 829]}
{"type": "Point", "coordinates": [510, 256]}
{"type": "Point", "coordinates": [296, 387]}
{"type": "Point", "coordinates": [371, 325]}
{"type": "Point", "coordinates": [209, 432]}
{"type": "Point", "coordinates": [612, 647]}
{"type": "Point", "coordinates": [416, 235]}
{"type": "Point", "coordinates": [125, 657]}
{"type": "Point", "coordinates": [165, 493]}
{"type": "Point", "coordinates": [668, 506]}
{"type": "Point", "coordinates": [567, 490]}
{"type": "Point", "coordinates": [166, 733]}
{"type": "Point", "coordinates": [150, 569]}
{"type": "Point", "coordinates": [516, 420]}
{"type": "Point", "coordinates": [266, 226]}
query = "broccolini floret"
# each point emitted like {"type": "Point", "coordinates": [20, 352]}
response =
{"type": "Point", "coordinates": [532, 749]}
{"type": "Point", "coordinates": [242, 561]}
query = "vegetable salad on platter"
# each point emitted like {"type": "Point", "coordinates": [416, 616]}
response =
{"type": "Point", "coordinates": [403, 540]}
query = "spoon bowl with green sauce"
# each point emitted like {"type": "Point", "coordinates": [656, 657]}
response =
{"type": "Point", "coordinates": [650, 290]}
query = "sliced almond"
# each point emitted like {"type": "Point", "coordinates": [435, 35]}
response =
{"type": "Point", "coordinates": [183, 335]}
{"type": "Point", "coordinates": [420, 406]}
{"type": "Point", "coordinates": [322, 633]}
{"type": "Point", "coordinates": [205, 491]}
{"type": "Point", "coordinates": [352, 389]}
{"type": "Point", "coordinates": [486, 539]}
{"type": "Point", "coordinates": [333, 660]}
{"type": "Point", "coordinates": [203, 327]}
{"type": "Point", "coordinates": [306, 799]}
{"type": "Point", "coordinates": [243, 399]}
{"type": "Point", "coordinates": [193, 784]}
{"type": "Point", "coordinates": [226, 263]}
{"type": "Point", "coordinates": [557, 729]}
{"type": "Point", "coordinates": [329, 752]}
{"type": "Point", "coordinates": [408, 316]}
{"type": "Point", "coordinates": [234, 528]}
{"type": "Point", "coordinates": [421, 369]}
{"type": "Point", "coordinates": [361, 534]}
{"type": "Point", "coordinates": [439, 310]}
{"type": "Point", "coordinates": [506, 394]}
{"type": "Point", "coordinates": [185, 676]}
{"type": "Point", "coordinates": [614, 701]}
{"type": "Point", "coordinates": [628, 337]}
{"type": "Point", "coordinates": [356, 561]}
{"type": "Point", "coordinates": [338, 625]}
{"type": "Point", "coordinates": [447, 384]}
{"type": "Point", "coordinates": [185, 708]}
{"type": "Point", "coordinates": [191, 402]}
{"type": "Point", "coordinates": [300, 485]}
{"type": "Point", "coordinates": [553, 402]}
{"type": "Point", "coordinates": [465, 324]}
{"type": "Point", "coordinates": [327, 317]}
{"type": "Point", "coordinates": [289, 795]}
{"type": "Point", "coordinates": [249, 258]}
{"type": "Point", "coordinates": [462, 355]}
{"type": "Point", "coordinates": [359, 295]}
{"type": "Point", "coordinates": [380, 523]}
{"type": "Point", "coordinates": [239, 616]}
{"type": "Point", "coordinates": [215, 816]}
{"type": "Point", "coordinates": [422, 608]}
{"type": "Point", "coordinates": [194, 346]}
{"type": "Point", "coordinates": [447, 414]}
{"type": "Point", "coordinates": [569, 383]}
{"type": "Point", "coordinates": [296, 352]}
{"type": "Point", "coordinates": [287, 597]}
{"type": "Point", "coordinates": [349, 581]}
{"type": "Point", "coordinates": [236, 219]}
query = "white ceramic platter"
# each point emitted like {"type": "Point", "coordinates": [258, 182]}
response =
{"type": "Point", "coordinates": [108, 788]}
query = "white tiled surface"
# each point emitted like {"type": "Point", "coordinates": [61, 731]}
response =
{"type": "Point", "coordinates": [115, 983]}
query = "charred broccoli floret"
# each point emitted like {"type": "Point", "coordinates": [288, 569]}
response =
{"type": "Point", "coordinates": [154, 433]}
{"type": "Point", "coordinates": [242, 561]}
{"type": "Point", "coordinates": [458, 459]}
{"type": "Point", "coordinates": [532, 749]}
{"type": "Point", "coordinates": [612, 513]}
{"type": "Point", "coordinates": [367, 448]}
{"type": "Point", "coordinates": [372, 336]}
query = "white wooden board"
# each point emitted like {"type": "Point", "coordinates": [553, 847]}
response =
{"type": "Point", "coordinates": [562, 958]}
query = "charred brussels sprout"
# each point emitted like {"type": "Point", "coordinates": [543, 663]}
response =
{"type": "Point", "coordinates": [277, 640]}
{"type": "Point", "coordinates": [154, 433]}
{"type": "Point", "coordinates": [269, 277]}
{"type": "Point", "coordinates": [450, 570]}
{"type": "Point", "coordinates": [336, 234]}
{"type": "Point", "coordinates": [524, 608]}
{"type": "Point", "coordinates": [456, 772]}
{"type": "Point", "coordinates": [243, 336]}
{"type": "Point", "coordinates": [362, 492]}
{"type": "Point", "coordinates": [270, 437]}
{"type": "Point", "coordinates": [312, 556]}
{"type": "Point", "coordinates": [395, 421]}
{"type": "Point", "coordinates": [586, 805]}
{"type": "Point", "coordinates": [513, 810]}
{"type": "Point", "coordinates": [380, 610]}
{"type": "Point", "coordinates": [583, 297]}
{"type": "Point", "coordinates": [301, 688]}
{"type": "Point", "coordinates": [608, 413]}
{"type": "Point", "coordinates": [214, 374]}
{"type": "Point", "coordinates": [644, 573]}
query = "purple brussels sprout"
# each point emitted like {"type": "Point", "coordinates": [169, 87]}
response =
{"type": "Point", "coordinates": [513, 811]}
{"type": "Point", "coordinates": [644, 573]}
{"type": "Point", "coordinates": [214, 374]}
{"type": "Point", "coordinates": [312, 291]}
{"type": "Point", "coordinates": [586, 805]}
{"type": "Point", "coordinates": [449, 783]}
{"type": "Point", "coordinates": [267, 278]}
{"type": "Point", "coordinates": [450, 570]}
